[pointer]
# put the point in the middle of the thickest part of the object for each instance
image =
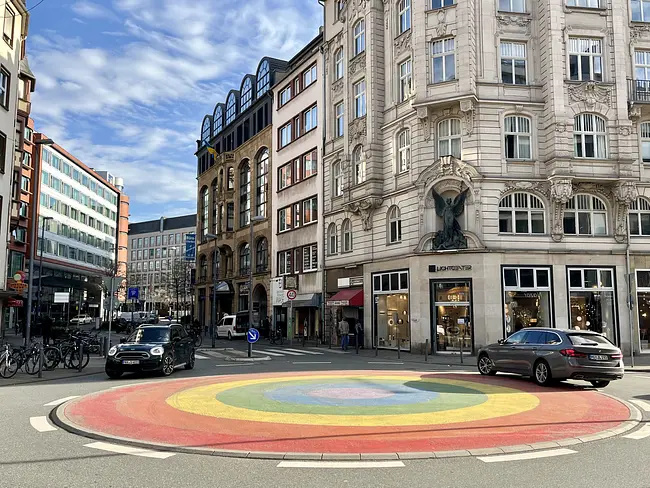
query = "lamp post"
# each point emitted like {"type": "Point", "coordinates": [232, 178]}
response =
{"type": "Point", "coordinates": [114, 271]}
{"type": "Point", "coordinates": [32, 242]}
{"type": "Point", "coordinates": [256, 218]}
{"type": "Point", "coordinates": [213, 314]}
{"type": "Point", "coordinates": [37, 314]}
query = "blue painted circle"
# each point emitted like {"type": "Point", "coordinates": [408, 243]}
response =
{"type": "Point", "coordinates": [253, 335]}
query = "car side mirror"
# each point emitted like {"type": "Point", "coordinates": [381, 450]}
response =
{"type": "Point", "coordinates": [501, 341]}
{"type": "Point", "coordinates": [122, 340]}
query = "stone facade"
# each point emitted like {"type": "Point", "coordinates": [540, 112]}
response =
{"type": "Point", "coordinates": [533, 112]}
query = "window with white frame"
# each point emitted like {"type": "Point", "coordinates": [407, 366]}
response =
{"type": "Point", "coordinates": [263, 79]}
{"type": "Point", "coordinates": [333, 240]}
{"type": "Point", "coordinates": [310, 258]}
{"type": "Point", "coordinates": [360, 99]}
{"type": "Point", "coordinates": [285, 220]}
{"type": "Point", "coordinates": [589, 136]}
{"type": "Point", "coordinates": [512, 6]}
{"type": "Point", "coordinates": [405, 80]}
{"type": "Point", "coordinates": [309, 76]}
{"type": "Point", "coordinates": [639, 217]}
{"type": "Point", "coordinates": [338, 64]}
{"type": "Point", "coordinates": [285, 95]}
{"type": "Point", "coordinates": [310, 117]}
{"type": "Point", "coordinates": [642, 74]}
{"type": "Point", "coordinates": [310, 210]}
{"type": "Point", "coordinates": [585, 215]}
{"type": "Point", "coordinates": [517, 137]}
{"type": "Point", "coordinates": [359, 37]}
{"type": "Point", "coordinates": [521, 213]}
{"type": "Point", "coordinates": [592, 300]}
{"type": "Point", "coordinates": [585, 59]}
{"type": "Point", "coordinates": [284, 262]}
{"type": "Point", "coordinates": [640, 10]}
{"type": "Point", "coordinates": [340, 120]}
{"type": "Point", "coordinates": [449, 138]}
{"type": "Point", "coordinates": [359, 164]}
{"type": "Point", "coordinates": [403, 150]}
{"type": "Point", "coordinates": [337, 179]}
{"type": "Point", "coordinates": [394, 225]}
{"type": "Point", "coordinates": [513, 63]}
{"type": "Point", "coordinates": [346, 232]}
{"type": "Point", "coordinates": [645, 141]}
{"type": "Point", "coordinates": [585, 3]}
{"type": "Point", "coordinates": [436, 4]}
{"type": "Point", "coordinates": [527, 298]}
{"type": "Point", "coordinates": [286, 135]}
{"type": "Point", "coordinates": [404, 9]}
{"type": "Point", "coordinates": [231, 109]}
{"type": "Point", "coordinates": [443, 60]}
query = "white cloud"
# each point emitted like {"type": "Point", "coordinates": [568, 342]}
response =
{"type": "Point", "coordinates": [91, 10]}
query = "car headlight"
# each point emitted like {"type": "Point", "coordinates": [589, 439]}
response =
{"type": "Point", "coordinates": [112, 351]}
{"type": "Point", "coordinates": [157, 351]}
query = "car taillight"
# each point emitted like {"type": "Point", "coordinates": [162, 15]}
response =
{"type": "Point", "coordinates": [617, 356]}
{"type": "Point", "coordinates": [572, 353]}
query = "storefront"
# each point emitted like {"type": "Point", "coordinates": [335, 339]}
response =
{"type": "Point", "coordinates": [391, 313]}
{"type": "Point", "coordinates": [643, 307]}
{"type": "Point", "coordinates": [452, 315]}
{"type": "Point", "coordinates": [306, 314]}
{"type": "Point", "coordinates": [527, 297]}
{"type": "Point", "coordinates": [348, 304]}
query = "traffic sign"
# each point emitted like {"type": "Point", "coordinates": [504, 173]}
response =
{"type": "Point", "coordinates": [291, 294]}
{"type": "Point", "coordinates": [134, 293]}
{"type": "Point", "coordinates": [253, 335]}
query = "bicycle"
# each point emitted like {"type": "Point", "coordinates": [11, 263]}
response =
{"type": "Point", "coordinates": [27, 358]}
{"type": "Point", "coordinates": [8, 365]}
{"type": "Point", "coordinates": [275, 337]}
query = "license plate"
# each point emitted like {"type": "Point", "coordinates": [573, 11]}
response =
{"type": "Point", "coordinates": [598, 357]}
{"type": "Point", "coordinates": [131, 361]}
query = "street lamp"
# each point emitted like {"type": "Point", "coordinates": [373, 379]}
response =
{"type": "Point", "coordinates": [256, 218]}
{"type": "Point", "coordinates": [213, 314]}
{"type": "Point", "coordinates": [32, 242]}
{"type": "Point", "coordinates": [114, 271]}
{"type": "Point", "coordinates": [37, 315]}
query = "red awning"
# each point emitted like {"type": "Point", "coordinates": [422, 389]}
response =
{"type": "Point", "coordinates": [347, 298]}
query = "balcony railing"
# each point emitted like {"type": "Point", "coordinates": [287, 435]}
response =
{"type": "Point", "coordinates": [639, 90]}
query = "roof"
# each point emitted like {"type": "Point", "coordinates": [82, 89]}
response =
{"type": "Point", "coordinates": [168, 223]}
{"type": "Point", "coordinates": [26, 71]}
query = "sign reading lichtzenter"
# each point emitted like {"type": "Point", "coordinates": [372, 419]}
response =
{"type": "Point", "coordinates": [433, 268]}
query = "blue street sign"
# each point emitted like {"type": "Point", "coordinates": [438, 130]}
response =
{"type": "Point", "coordinates": [190, 247]}
{"type": "Point", "coordinates": [253, 335]}
{"type": "Point", "coordinates": [134, 293]}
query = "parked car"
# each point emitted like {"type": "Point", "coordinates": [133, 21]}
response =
{"type": "Point", "coordinates": [160, 348]}
{"type": "Point", "coordinates": [152, 317]}
{"type": "Point", "coordinates": [549, 355]}
{"type": "Point", "coordinates": [232, 326]}
{"type": "Point", "coordinates": [82, 319]}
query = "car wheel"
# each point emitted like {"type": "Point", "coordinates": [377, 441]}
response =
{"type": "Point", "coordinates": [167, 365]}
{"type": "Point", "coordinates": [191, 360]}
{"type": "Point", "coordinates": [229, 336]}
{"type": "Point", "coordinates": [113, 374]}
{"type": "Point", "coordinates": [486, 365]}
{"type": "Point", "coordinates": [542, 373]}
{"type": "Point", "coordinates": [599, 383]}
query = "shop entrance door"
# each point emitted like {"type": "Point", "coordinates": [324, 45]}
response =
{"type": "Point", "coordinates": [452, 316]}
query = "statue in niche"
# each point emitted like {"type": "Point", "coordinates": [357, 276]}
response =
{"type": "Point", "coordinates": [451, 236]}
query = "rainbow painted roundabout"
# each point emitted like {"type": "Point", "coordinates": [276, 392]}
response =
{"type": "Point", "coordinates": [359, 413]}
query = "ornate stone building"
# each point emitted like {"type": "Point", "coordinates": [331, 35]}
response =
{"type": "Point", "coordinates": [537, 112]}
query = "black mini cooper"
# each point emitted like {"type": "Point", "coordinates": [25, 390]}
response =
{"type": "Point", "coordinates": [160, 348]}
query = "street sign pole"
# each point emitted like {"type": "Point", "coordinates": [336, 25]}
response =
{"type": "Point", "coordinates": [291, 295]}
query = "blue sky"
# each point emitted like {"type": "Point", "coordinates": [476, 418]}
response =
{"type": "Point", "coordinates": [124, 84]}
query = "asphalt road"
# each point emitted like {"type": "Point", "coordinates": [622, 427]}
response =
{"type": "Point", "coordinates": [55, 458]}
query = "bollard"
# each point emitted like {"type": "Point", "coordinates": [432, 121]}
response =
{"type": "Point", "coordinates": [376, 347]}
{"type": "Point", "coordinates": [107, 346]}
{"type": "Point", "coordinates": [41, 359]}
{"type": "Point", "coordinates": [81, 354]}
{"type": "Point", "coordinates": [398, 345]}
{"type": "Point", "coordinates": [426, 350]}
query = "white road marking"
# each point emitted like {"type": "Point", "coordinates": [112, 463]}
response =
{"type": "Point", "coordinates": [58, 402]}
{"type": "Point", "coordinates": [270, 353]}
{"type": "Point", "coordinates": [643, 405]}
{"type": "Point", "coordinates": [642, 433]}
{"type": "Point", "coordinates": [304, 352]}
{"type": "Point", "coordinates": [198, 356]}
{"type": "Point", "coordinates": [312, 362]}
{"type": "Point", "coordinates": [231, 365]}
{"type": "Point", "coordinates": [284, 351]}
{"type": "Point", "coordinates": [334, 350]}
{"type": "Point", "coordinates": [124, 386]}
{"type": "Point", "coordinates": [384, 362]}
{"type": "Point", "coordinates": [341, 464]}
{"type": "Point", "coordinates": [133, 451]}
{"type": "Point", "coordinates": [41, 424]}
{"type": "Point", "coordinates": [525, 455]}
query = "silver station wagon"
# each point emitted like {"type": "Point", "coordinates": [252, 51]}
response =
{"type": "Point", "coordinates": [549, 355]}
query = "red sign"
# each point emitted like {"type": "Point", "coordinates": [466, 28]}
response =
{"type": "Point", "coordinates": [12, 302]}
{"type": "Point", "coordinates": [291, 294]}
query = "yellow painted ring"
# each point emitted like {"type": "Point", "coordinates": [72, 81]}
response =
{"type": "Point", "coordinates": [501, 402]}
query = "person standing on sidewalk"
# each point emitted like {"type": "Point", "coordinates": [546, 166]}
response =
{"type": "Point", "coordinates": [344, 330]}
{"type": "Point", "coordinates": [305, 332]}
{"type": "Point", "coordinates": [358, 335]}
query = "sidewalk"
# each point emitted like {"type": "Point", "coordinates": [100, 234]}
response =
{"type": "Point", "coordinates": [95, 366]}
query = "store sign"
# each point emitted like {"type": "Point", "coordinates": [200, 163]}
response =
{"type": "Point", "coordinates": [290, 282]}
{"type": "Point", "coordinates": [433, 268]}
{"type": "Point", "coordinates": [278, 294]}
{"type": "Point", "coordinates": [61, 297]}
{"type": "Point", "coordinates": [243, 288]}
{"type": "Point", "coordinates": [12, 302]}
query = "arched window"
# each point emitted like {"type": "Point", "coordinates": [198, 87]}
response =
{"type": "Point", "coordinates": [337, 179]}
{"type": "Point", "coordinates": [216, 266]}
{"type": "Point", "coordinates": [521, 213]}
{"type": "Point", "coordinates": [394, 224]}
{"type": "Point", "coordinates": [359, 37]}
{"type": "Point", "coordinates": [262, 255]}
{"type": "Point", "coordinates": [262, 185]}
{"type": "Point", "coordinates": [263, 79]}
{"type": "Point", "coordinates": [205, 131]}
{"type": "Point", "coordinates": [231, 178]}
{"type": "Point", "coordinates": [403, 151]}
{"type": "Point", "coordinates": [585, 215]}
{"type": "Point", "coordinates": [205, 209]}
{"type": "Point", "coordinates": [246, 95]}
{"type": "Point", "coordinates": [449, 138]}
{"type": "Point", "coordinates": [589, 136]}
{"type": "Point", "coordinates": [218, 120]}
{"type": "Point", "coordinates": [203, 268]}
{"type": "Point", "coordinates": [346, 232]}
{"type": "Point", "coordinates": [215, 206]}
{"type": "Point", "coordinates": [404, 9]}
{"type": "Point", "coordinates": [231, 108]}
{"type": "Point", "coordinates": [244, 259]}
{"type": "Point", "coordinates": [645, 142]}
{"type": "Point", "coordinates": [640, 217]}
{"type": "Point", "coordinates": [359, 164]}
{"type": "Point", "coordinates": [338, 64]}
{"type": "Point", "coordinates": [244, 194]}
{"type": "Point", "coordinates": [333, 240]}
{"type": "Point", "coordinates": [517, 137]}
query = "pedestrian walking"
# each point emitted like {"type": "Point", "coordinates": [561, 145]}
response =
{"type": "Point", "coordinates": [305, 332]}
{"type": "Point", "coordinates": [344, 330]}
{"type": "Point", "coordinates": [358, 334]}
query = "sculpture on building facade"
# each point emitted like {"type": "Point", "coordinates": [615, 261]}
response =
{"type": "Point", "coordinates": [451, 236]}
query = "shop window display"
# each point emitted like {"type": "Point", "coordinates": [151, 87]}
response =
{"type": "Point", "coordinates": [592, 301]}
{"type": "Point", "coordinates": [452, 316]}
{"type": "Point", "coordinates": [391, 301]}
{"type": "Point", "coordinates": [643, 307]}
{"type": "Point", "coordinates": [527, 298]}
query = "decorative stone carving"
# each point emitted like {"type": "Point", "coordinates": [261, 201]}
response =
{"type": "Point", "coordinates": [451, 236]}
{"type": "Point", "coordinates": [560, 127]}
{"type": "Point", "coordinates": [402, 43]}
{"type": "Point", "coordinates": [505, 20]}
{"type": "Point", "coordinates": [638, 32]}
{"type": "Point", "coordinates": [561, 192]}
{"type": "Point", "coordinates": [633, 111]}
{"type": "Point", "coordinates": [337, 87]}
{"type": "Point", "coordinates": [625, 194]}
{"type": "Point", "coordinates": [364, 208]}
{"type": "Point", "coordinates": [441, 28]}
{"type": "Point", "coordinates": [357, 129]}
{"type": "Point", "coordinates": [624, 130]}
{"type": "Point", "coordinates": [591, 93]}
{"type": "Point", "coordinates": [447, 166]}
{"type": "Point", "coordinates": [541, 187]}
{"type": "Point", "coordinates": [357, 6]}
{"type": "Point", "coordinates": [467, 113]}
{"type": "Point", "coordinates": [358, 63]}
{"type": "Point", "coordinates": [423, 115]}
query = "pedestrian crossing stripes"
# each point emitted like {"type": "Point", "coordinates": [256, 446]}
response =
{"type": "Point", "coordinates": [305, 352]}
{"type": "Point", "coordinates": [289, 352]}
